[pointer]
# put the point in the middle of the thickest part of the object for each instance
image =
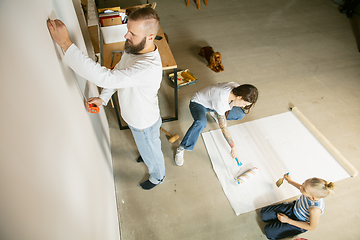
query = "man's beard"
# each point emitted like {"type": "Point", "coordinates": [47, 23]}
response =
{"type": "Point", "coordinates": [131, 48]}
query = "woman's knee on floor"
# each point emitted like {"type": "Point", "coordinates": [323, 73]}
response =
{"type": "Point", "coordinates": [236, 113]}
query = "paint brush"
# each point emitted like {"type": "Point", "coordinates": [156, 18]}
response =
{"type": "Point", "coordinates": [280, 181]}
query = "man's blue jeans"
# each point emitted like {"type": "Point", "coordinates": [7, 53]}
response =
{"type": "Point", "coordinates": [149, 145]}
{"type": "Point", "coordinates": [198, 113]}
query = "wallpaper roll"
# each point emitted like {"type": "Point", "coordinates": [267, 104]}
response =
{"type": "Point", "coordinates": [327, 144]}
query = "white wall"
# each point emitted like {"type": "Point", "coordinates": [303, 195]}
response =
{"type": "Point", "coordinates": [56, 178]}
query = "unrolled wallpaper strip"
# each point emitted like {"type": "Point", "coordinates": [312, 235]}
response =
{"type": "Point", "coordinates": [337, 155]}
{"type": "Point", "coordinates": [274, 145]}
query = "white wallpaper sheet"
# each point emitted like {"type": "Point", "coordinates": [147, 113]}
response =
{"type": "Point", "coordinates": [275, 145]}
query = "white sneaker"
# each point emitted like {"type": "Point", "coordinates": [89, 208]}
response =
{"type": "Point", "coordinates": [179, 156]}
{"type": "Point", "coordinates": [213, 115]}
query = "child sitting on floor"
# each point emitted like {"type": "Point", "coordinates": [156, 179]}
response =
{"type": "Point", "coordinates": [290, 219]}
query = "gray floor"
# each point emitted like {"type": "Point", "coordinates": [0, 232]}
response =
{"type": "Point", "coordinates": [302, 52]}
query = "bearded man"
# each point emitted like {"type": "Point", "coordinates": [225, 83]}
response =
{"type": "Point", "coordinates": [136, 78]}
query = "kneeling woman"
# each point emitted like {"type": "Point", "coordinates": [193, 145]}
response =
{"type": "Point", "coordinates": [224, 101]}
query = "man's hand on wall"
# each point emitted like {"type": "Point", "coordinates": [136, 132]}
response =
{"type": "Point", "coordinates": [59, 33]}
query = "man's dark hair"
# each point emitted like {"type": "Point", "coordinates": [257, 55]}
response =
{"type": "Point", "coordinates": [151, 18]}
{"type": "Point", "coordinates": [144, 14]}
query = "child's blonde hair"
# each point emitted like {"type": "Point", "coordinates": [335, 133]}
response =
{"type": "Point", "coordinates": [321, 186]}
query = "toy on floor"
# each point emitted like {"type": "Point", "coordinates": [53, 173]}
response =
{"type": "Point", "coordinates": [214, 58]}
{"type": "Point", "coordinates": [247, 175]}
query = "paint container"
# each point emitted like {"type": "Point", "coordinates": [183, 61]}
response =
{"type": "Point", "coordinates": [247, 175]}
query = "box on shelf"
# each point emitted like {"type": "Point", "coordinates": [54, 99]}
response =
{"type": "Point", "coordinates": [114, 33]}
{"type": "Point", "coordinates": [113, 25]}
{"type": "Point", "coordinates": [114, 9]}
{"type": "Point", "coordinates": [110, 20]}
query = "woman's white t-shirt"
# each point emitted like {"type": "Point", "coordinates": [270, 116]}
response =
{"type": "Point", "coordinates": [216, 96]}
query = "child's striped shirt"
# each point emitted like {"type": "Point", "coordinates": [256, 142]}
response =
{"type": "Point", "coordinates": [302, 206]}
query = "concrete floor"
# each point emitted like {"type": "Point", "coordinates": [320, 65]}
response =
{"type": "Point", "coordinates": [302, 52]}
